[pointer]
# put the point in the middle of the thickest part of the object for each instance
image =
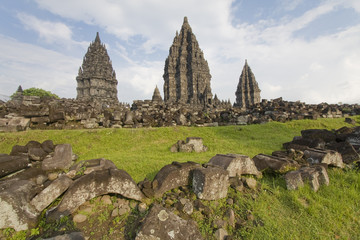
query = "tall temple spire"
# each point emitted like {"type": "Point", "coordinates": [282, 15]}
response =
{"type": "Point", "coordinates": [186, 73]}
{"type": "Point", "coordinates": [96, 79]}
{"type": "Point", "coordinates": [97, 38]}
{"type": "Point", "coordinates": [248, 91]}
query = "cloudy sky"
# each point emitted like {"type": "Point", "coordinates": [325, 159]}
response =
{"type": "Point", "coordinates": [306, 50]}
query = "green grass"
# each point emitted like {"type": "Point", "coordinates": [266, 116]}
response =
{"type": "Point", "coordinates": [142, 152]}
{"type": "Point", "coordinates": [331, 213]}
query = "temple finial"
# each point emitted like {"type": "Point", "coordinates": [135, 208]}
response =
{"type": "Point", "coordinates": [97, 39]}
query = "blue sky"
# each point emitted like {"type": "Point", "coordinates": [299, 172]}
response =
{"type": "Point", "coordinates": [306, 50]}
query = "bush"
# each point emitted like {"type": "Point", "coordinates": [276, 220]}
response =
{"type": "Point", "coordinates": [37, 92]}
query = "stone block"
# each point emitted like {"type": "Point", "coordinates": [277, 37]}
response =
{"type": "Point", "coordinates": [329, 157]}
{"type": "Point", "coordinates": [276, 164]}
{"type": "Point", "coordinates": [15, 210]}
{"type": "Point", "coordinates": [51, 192]}
{"type": "Point", "coordinates": [173, 176]}
{"type": "Point", "coordinates": [293, 180]}
{"type": "Point", "coordinates": [192, 144]}
{"type": "Point", "coordinates": [11, 164]}
{"type": "Point", "coordinates": [61, 160]}
{"type": "Point", "coordinates": [96, 184]}
{"type": "Point", "coordinates": [210, 183]}
{"type": "Point", "coordinates": [235, 164]}
{"type": "Point", "coordinates": [160, 223]}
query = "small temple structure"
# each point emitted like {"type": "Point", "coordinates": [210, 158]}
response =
{"type": "Point", "coordinates": [186, 73]}
{"type": "Point", "coordinates": [248, 91]}
{"type": "Point", "coordinates": [156, 95]}
{"type": "Point", "coordinates": [96, 79]}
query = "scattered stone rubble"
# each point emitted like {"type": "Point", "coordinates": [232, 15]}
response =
{"type": "Point", "coordinates": [47, 113]}
{"type": "Point", "coordinates": [35, 175]}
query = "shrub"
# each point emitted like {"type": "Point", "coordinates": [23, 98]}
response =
{"type": "Point", "coordinates": [37, 92]}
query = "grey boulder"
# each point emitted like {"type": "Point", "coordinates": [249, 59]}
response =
{"type": "Point", "coordinates": [96, 184]}
{"type": "Point", "coordinates": [162, 224]}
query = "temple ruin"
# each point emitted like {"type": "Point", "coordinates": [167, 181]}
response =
{"type": "Point", "coordinates": [156, 95]}
{"type": "Point", "coordinates": [96, 79]}
{"type": "Point", "coordinates": [248, 91]}
{"type": "Point", "coordinates": [186, 73]}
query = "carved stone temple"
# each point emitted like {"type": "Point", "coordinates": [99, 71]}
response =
{"type": "Point", "coordinates": [186, 73]}
{"type": "Point", "coordinates": [156, 95]}
{"type": "Point", "coordinates": [248, 91]}
{"type": "Point", "coordinates": [97, 79]}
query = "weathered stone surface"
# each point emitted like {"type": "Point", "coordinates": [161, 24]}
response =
{"type": "Point", "coordinates": [15, 210]}
{"type": "Point", "coordinates": [192, 144]}
{"type": "Point", "coordinates": [162, 224]}
{"type": "Point", "coordinates": [293, 180]}
{"type": "Point", "coordinates": [156, 95]}
{"type": "Point", "coordinates": [79, 218]}
{"type": "Point", "coordinates": [129, 118]}
{"type": "Point", "coordinates": [301, 143]}
{"type": "Point", "coordinates": [93, 165]}
{"type": "Point", "coordinates": [51, 192]}
{"type": "Point", "coordinates": [272, 163]}
{"type": "Point", "coordinates": [347, 151]}
{"type": "Point", "coordinates": [19, 150]}
{"type": "Point", "coordinates": [315, 175]}
{"type": "Point", "coordinates": [95, 184]}
{"type": "Point", "coordinates": [210, 183]}
{"type": "Point", "coordinates": [311, 176]}
{"type": "Point", "coordinates": [186, 73]}
{"type": "Point", "coordinates": [323, 134]}
{"type": "Point", "coordinates": [48, 146]}
{"type": "Point", "coordinates": [221, 234]}
{"type": "Point", "coordinates": [329, 157]}
{"type": "Point", "coordinates": [323, 175]}
{"type": "Point", "coordinates": [11, 164]}
{"type": "Point", "coordinates": [61, 160]}
{"type": "Point", "coordinates": [69, 236]}
{"type": "Point", "coordinates": [248, 91]}
{"type": "Point", "coordinates": [96, 78]}
{"type": "Point", "coordinates": [14, 124]}
{"type": "Point", "coordinates": [251, 183]}
{"type": "Point", "coordinates": [235, 164]}
{"type": "Point", "coordinates": [37, 154]}
{"type": "Point", "coordinates": [33, 173]}
{"type": "Point", "coordinates": [173, 176]}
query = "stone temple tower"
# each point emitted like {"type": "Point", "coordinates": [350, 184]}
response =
{"type": "Point", "coordinates": [97, 79]}
{"type": "Point", "coordinates": [186, 73]}
{"type": "Point", "coordinates": [248, 91]}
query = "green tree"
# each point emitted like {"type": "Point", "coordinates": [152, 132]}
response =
{"type": "Point", "coordinates": [37, 92]}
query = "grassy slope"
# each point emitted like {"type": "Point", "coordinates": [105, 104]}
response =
{"type": "Point", "coordinates": [333, 212]}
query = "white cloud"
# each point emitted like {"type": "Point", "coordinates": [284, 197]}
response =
{"type": "Point", "coordinates": [144, 77]}
{"type": "Point", "coordinates": [294, 68]}
{"type": "Point", "coordinates": [49, 31]}
{"type": "Point", "coordinates": [289, 5]}
{"type": "Point", "coordinates": [32, 66]}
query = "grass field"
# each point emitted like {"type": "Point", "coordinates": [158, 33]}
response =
{"type": "Point", "coordinates": [331, 213]}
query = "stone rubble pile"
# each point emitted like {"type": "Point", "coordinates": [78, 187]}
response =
{"type": "Point", "coordinates": [35, 175]}
{"type": "Point", "coordinates": [46, 113]}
